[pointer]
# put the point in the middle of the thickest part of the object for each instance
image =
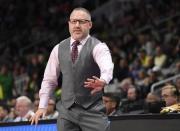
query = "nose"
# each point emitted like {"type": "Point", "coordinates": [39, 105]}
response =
{"type": "Point", "coordinates": [77, 23]}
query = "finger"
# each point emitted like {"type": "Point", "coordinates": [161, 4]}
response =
{"type": "Point", "coordinates": [89, 83]}
{"type": "Point", "coordinates": [90, 80]}
{"type": "Point", "coordinates": [95, 77]}
{"type": "Point", "coordinates": [90, 86]}
{"type": "Point", "coordinates": [36, 120]}
{"type": "Point", "coordinates": [32, 121]}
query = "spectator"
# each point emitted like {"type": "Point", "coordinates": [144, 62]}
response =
{"type": "Point", "coordinates": [51, 110]}
{"type": "Point", "coordinates": [4, 113]}
{"type": "Point", "coordinates": [36, 104]}
{"type": "Point", "coordinates": [121, 71]}
{"type": "Point", "coordinates": [148, 81]}
{"type": "Point", "coordinates": [132, 102]}
{"type": "Point", "coordinates": [153, 103]}
{"type": "Point", "coordinates": [144, 58]}
{"type": "Point", "coordinates": [160, 57]}
{"type": "Point", "coordinates": [124, 86]}
{"type": "Point", "coordinates": [111, 102]}
{"type": "Point", "coordinates": [170, 95]}
{"type": "Point", "coordinates": [23, 109]}
{"type": "Point", "coordinates": [6, 82]}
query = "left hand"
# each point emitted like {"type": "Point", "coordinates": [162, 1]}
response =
{"type": "Point", "coordinates": [41, 112]}
{"type": "Point", "coordinates": [95, 84]}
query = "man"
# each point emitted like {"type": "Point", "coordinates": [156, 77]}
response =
{"type": "Point", "coordinates": [153, 103]}
{"type": "Point", "coordinates": [23, 109]}
{"type": "Point", "coordinates": [133, 103]}
{"type": "Point", "coordinates": [85, 73]}
{"type": "Point", "coordinates": [170, 95]}
{"type": "Point", "coordinates": [111, 102]}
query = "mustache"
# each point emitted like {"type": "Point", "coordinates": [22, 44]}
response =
{"type": "Point", "coordinates": [76, 29]}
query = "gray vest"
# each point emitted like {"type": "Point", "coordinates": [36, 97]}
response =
{"type": "Point", "coordinates": [74, 75]}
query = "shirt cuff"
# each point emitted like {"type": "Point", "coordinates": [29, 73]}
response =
{"type": "Point", "coordinates": [105, 79]}
{"type": "Point", "coordinates": [43, 103]}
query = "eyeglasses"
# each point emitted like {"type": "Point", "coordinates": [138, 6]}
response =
{"type": "Point", "coordinates": [166, 96]}
{"type": "Point", "coordinates": [80, 21]}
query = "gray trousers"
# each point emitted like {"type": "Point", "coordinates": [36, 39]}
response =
{"type": "Point", "coordinates": [79, 119]}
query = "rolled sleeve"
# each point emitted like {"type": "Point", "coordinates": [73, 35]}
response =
{"type": "Point", "coordinates": [51, 75]}
{"type": "Point", "coordinates": [102, 56]}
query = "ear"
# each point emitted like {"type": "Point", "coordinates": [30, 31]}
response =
{"type": "Point", "coordinates": [90, 25]}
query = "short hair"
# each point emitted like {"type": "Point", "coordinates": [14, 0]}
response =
{"type": "Point", "coordinates": [173, 89]}
{"type": "Point", "coordinates": [137, 91]}
{"type": "Point", "coordinates": [24, 98]}
{"type": "Point", "coordinates": [114, 97]}
{"type": "Point", "coordinates": [82, 9]}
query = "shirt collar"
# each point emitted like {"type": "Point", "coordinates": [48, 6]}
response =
{"type": "Point", "coordinates": [82, 42]}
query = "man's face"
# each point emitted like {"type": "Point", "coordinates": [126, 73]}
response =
{"type": "Point", "coordinates": [79, 24]}
{"type": "Point", "coordinates": [22, 108]}
{"type": "Point", "coordinates": [131, 94]}
{"type": "Point", "coordinates": [109, 104]}
{"type": "Point", "coordinates": [168, 97]}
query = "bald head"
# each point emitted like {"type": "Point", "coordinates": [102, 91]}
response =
{"type": "Point", "coordinates": [88, 15]}
{"type": "Point", "coordinates": [80, 23]}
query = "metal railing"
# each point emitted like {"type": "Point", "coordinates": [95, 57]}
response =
{"type": "Point", "coordinates": [153, 87]}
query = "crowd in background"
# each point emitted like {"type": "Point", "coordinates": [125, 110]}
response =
{"type": "Point", "coordinates": [144, 41]}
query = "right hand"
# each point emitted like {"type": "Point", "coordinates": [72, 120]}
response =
{"type": "Point", "coordinates": [39, 114]}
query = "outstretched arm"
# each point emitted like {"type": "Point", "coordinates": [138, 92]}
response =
{"type": "Point", "coordinates": [102, 57]}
